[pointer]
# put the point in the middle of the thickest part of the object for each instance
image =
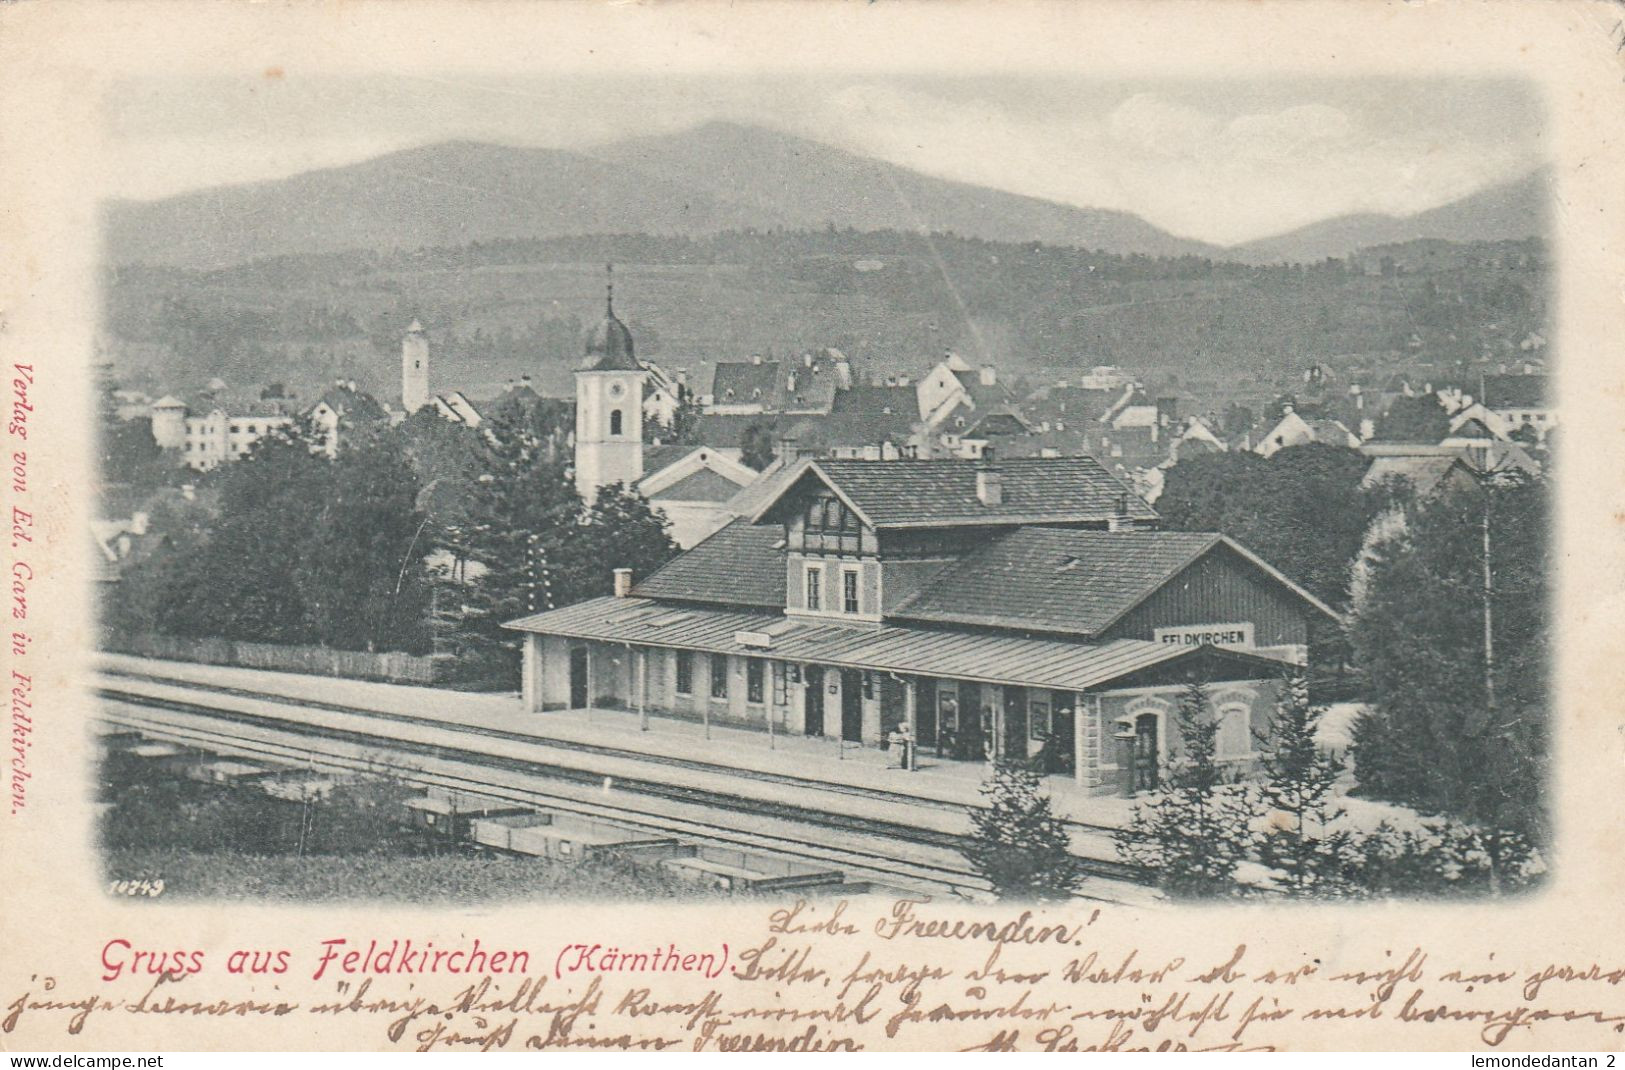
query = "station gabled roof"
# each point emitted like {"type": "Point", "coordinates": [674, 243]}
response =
{"type": "Point", "coordinates": [740, 565]}
{"type": "Point", "coordinates": [1070, 581]}
{"type": "Point", "coordinates": [1056, 580]}
{"type": "Point", "coordinates": [942, 493]}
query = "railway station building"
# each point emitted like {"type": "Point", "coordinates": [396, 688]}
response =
{"type": "Point", "coordinates": [1024, 609]}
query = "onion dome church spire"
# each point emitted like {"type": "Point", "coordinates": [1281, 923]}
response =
{"type": "Point", "coordinates": [609, 344]}
{"type": "Point", "coordinates": [609, 407]}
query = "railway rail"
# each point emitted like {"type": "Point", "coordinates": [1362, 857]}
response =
{"type": "Point", "coordinates": [865, 848]}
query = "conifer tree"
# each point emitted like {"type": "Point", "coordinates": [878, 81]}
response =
{"type": "Point", "coordinates": [1300, 777]}
{"type": "Point", "coordinates": [1457, 724]}
{"type": "Point", "coordinates": [1194, 835]}
{"type": "Point", "coordinates": [520, 521]}
{"type": "Point", "coordinates": [1018, 843]}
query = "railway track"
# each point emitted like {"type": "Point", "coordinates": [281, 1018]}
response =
{"type": "Point", "coordinates": [563, 744]}
{"type": "Point", "coordinates": [866, 848]}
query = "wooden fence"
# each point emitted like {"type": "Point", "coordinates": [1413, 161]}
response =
{"type": "Point", "coordinates": [392, 667]}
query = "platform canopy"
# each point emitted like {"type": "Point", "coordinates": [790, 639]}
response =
{"type": "Point", "coordinates": [960, 655]}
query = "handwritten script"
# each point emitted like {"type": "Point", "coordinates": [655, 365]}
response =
{"type": "Point", "coordinates": [865, 974]}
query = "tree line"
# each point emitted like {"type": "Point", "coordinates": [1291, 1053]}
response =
{"type": "Point", "coordinates": [423, 538]}
{"type": "Point", "coordinates": [1445, 640]}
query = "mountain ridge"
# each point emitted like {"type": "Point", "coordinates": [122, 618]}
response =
{"type": "Point", "coordinates": [1508, 210]}
{"type": "Point", "coordinates": [710, 178]}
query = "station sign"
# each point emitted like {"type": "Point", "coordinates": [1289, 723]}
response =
{"type": "Point", "coordinates": [1238, 636]}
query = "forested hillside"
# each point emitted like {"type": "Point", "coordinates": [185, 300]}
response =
{"type": "Point", "coordinates": [892, 300]}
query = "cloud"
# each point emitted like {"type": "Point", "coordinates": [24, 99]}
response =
{"type": "Point", "coordinates": [1289, 132]}
{"type": "Point", "coordinates": [1147, 122]}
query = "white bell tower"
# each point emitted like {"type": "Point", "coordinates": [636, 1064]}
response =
{"type": "Point", "coordinates": [414, 369]}
{"type": "Point", "coordinates": [609, 408]}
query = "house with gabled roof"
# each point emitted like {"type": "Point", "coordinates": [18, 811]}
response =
{"type": "Point", "coordinates": [1021, 610]}
{"type": "Point", "coordinates": [693, 486]}
{"type": "Point", "coordinates": [1519, 401]}
{"type": "Point", "coordinates": [1430, 470]}
{"type": "Point", "coordinates": [808, 384]}
{"type": "Point", "coordinates": [1296, 429]}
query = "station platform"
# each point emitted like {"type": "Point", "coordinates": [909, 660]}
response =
{"type": "Point", "coordinates": [820, 765]}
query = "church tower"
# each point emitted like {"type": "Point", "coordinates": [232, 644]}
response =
{"type": "Point", "coordinates": [414, 369]}
{"type": "Point", "coordinates": [609, 407]}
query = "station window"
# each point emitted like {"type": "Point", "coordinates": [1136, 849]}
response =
{"type": "Point", "coordinates": [685, 672]}
{"type": "Point", "coordinates": [1234, 736]}
{"type": "Point", "coordinates": [815, 585]}
{"type": "Point", "coordinates": [755, 681]}
{"type": "Point", "coordinates": [849, 592]}
{"type": "Point", "coordinates": [719, 676]}
{"type": "Point", "coordinates": [830, 525]}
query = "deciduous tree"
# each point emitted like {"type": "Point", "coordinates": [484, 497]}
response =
{"type": "Point", "coordinates": [1302, 509]}
{"type": "Point", "coordinates": [756, 446]}
{"type": "Point", "coordinates": [1413, 419]}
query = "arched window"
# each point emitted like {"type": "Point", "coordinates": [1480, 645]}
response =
{"type": "Point", "coordinates": [1235, 732]}
{"type": "Point", "coordinates": [615, 421]}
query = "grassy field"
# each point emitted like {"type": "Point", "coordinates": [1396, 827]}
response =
{"type": "Point", "coordinates": [424, 879]}
{"type": "Point", "coordinates": [215, 842]}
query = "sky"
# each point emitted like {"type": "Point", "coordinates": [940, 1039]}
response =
{"type": "Point", "coordinates": [1223, 162]}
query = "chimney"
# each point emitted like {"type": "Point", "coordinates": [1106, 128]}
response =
{"type": "Point", "coordinates": [1120, 519]}
{"type": "Point", "coordinates": [989, 375]}
{"type": "Point", "coordinates": [756, 358]}
{"type": "Point", "coordinates": [623, 583]}
{"type": "Point", "coordinates": [989, 480]}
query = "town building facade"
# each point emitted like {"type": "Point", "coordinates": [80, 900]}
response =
{"type": "Point", "coordinates": [211, 430]}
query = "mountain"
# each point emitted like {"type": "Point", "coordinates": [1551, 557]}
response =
{"type": "Point", "coordinates": [447, 194]}
{"type": "Point", "coordinates": [711, 178]}
{"type": "Point", "coordinates": [715, 177]}
{"type": "Point", "coordinates": [810, 185]}
{"type": "Point", "coordinates": [1513, 210]}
